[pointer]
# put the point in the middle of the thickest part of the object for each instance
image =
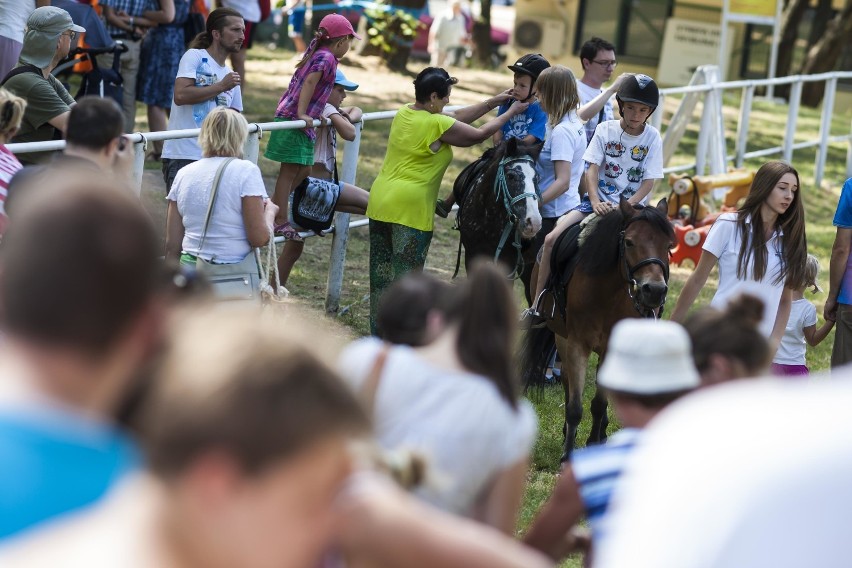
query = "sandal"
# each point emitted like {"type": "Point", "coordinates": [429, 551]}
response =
{"type": "Point", "coordinates": [287, 231]}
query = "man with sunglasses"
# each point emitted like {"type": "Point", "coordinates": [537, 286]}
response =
{"type": "Point", "coordinates": [49, 37]}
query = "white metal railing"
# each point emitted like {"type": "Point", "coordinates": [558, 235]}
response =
{"type": "Point", "coordinates": [711, 141]}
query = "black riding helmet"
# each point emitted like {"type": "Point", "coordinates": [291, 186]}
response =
{"type": "Point", "coordinates": [638, 89]}
{"type": "Point", "coordinates": [531, 64]}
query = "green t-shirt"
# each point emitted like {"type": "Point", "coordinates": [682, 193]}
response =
{"type": "Point", "coordinates": [407, 186]}
{"type": "Point", "coordinates": [46, 99]}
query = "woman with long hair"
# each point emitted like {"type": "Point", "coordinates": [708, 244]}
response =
{"type": "Point", "coordinates": [456, 401]}
{"type": "Point", "coordinates": [241, 217]}
{"type": "Point", "coordinates": [761, 250]}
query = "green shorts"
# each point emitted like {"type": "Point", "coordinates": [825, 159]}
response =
{"type": "Point", "coordinates": [290, 146]}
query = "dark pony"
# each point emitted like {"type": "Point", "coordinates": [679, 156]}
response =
{"type": "Point", "coordinates": [498, 205]}
{"type": "Point", "coordinates": [621, 271]}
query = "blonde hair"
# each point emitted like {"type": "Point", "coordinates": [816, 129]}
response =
{"type": "Point", "coordinates": [11, 113]}
{"type": "Point", "coordinates": [811, 273]}
{"type": "Point", "coordinates": [557, 92]}
{"type": "Point", "coordinates": [223, 133]}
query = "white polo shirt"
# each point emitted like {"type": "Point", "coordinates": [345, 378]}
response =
{"type": "Point", "coordinates": [723, 242]}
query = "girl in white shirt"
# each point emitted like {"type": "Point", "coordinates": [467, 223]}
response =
{"type": "Point", "coordinates": [761, 250]}
{"type": "Point", "coordinates": [801, 329]}
{"type": "Point", "coordinates": [456, 402]}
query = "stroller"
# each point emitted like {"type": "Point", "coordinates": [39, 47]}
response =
{"type": "Point", "coordinates": [96, 80]}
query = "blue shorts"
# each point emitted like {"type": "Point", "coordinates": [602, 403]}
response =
{"type": "Point", "coordinates": [296, 22]}
{"type": "Point", "coordinates": [585, 205]}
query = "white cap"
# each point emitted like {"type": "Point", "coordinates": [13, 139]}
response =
{"type": "Point", "coordinates": [647, 357]}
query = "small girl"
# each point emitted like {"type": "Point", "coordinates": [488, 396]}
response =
{"type": "Point", "coordinates": [305, 99]}
{"type": "Point", "coordinates": [801, 327]}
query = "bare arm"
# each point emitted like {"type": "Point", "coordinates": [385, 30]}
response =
{"type": "Point", "coordinates": [352, 113]}
{"type": "Point", "coordinates": [471, 112]}
{"type": "Point", "coordinates": [562, 169]}
{"type": "Point", "coordinates": [644, 189]}
{"type": "Point", "coordinates": [174, 233]}
{"type": "Point", "coordinates": [693, 285]}
{"type": "Point", "coordinates": [503, 501]}
{"type": "Point", "coordinates": [254, 218]}
{"type": "Point", "coordinates": [60, 122]}
{"type": "Point", "coordinates": [814, 335]}
{"type": "Point", "coordinates": [599, 207]}
{"type": "Point", "coordinates": [839, 258]}
{"type": "Point", "coordinates": [559, 514]}
{"type": "Point", "coordinates": [343, 127]}
{"type": "Point", "coordinates": [186, 93]}
{"type": "Point", "coordinates": [463, 135]}
{"type": "Point", "coordinates": [305, 95]}
{"type": "Point", "coordinates": [781, 317]}
{"type": "Point", "coordinates": [594, 106]}
{"type": "Point", "coordinates": [40, 3]}
{"type": "Point", "coordinates": [386, 527]}
{"type": "Point", "coordinates": [498, 137]}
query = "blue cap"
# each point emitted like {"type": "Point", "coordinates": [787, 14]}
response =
{"type": "Point", "coordinates": [340, 79]}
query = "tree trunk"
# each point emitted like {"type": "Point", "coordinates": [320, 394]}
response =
{"type": "Point", "coordinates": [823, 56]}
{"type": "Point", "coordinates": [822, 14]}
{"type": "Point", "coordinates": [481, 33]}
{"type": "Point", "coordinates": [793, 12]}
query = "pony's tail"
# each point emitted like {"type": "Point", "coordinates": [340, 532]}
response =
{"type": "Point", "coordinates": [536, 351]}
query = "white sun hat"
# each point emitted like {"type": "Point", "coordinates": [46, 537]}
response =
{"type": "Point", "coordinates": [647, 357]}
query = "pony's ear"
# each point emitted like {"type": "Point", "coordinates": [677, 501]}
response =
{"type": "Point", "coordinates": [626, 209]}
{"type": "Point", "coordinates": [663, 206]}
{"type": "Point", "coordinates": [531, 149]}
{"type": "Point", "coordinates": [512, 147]}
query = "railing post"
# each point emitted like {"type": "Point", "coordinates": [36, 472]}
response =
{"type": "Point", "coordinates": [792, 119]}
{"type": "Point", "coordinates": [849, 154]}
{"type": "Point", "coordinates": [139, 149]}
{"type": "Point", "coordinates": [657, 117]}
{"type": "Point", "coordinates": [825, 129]}
{"type": "Point", "coordinates": [742, 126]}
{"type": "Point", "coordinates": [251, 150]}
{"type": "Point", "coordinates": [340, 238]}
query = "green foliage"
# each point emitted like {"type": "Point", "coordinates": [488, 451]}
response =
{"type": "Point", "coordinates": [390, 29]}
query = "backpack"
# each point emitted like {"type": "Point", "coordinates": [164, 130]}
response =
{"type": "Point", "coordinates": [314, 201]}
{"type": "Point", "coordinates": [103, 82]}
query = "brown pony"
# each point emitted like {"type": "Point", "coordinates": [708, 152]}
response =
{"type": "Point", "coordinates": [622, 271]}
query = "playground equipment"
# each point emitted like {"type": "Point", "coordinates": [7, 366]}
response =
{"type": "Point", "coordinates": [691, 207]}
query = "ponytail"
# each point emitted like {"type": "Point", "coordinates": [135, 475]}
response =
{"type": "Point", "coordinates": [321, 38]}
{"type": "Point", "coordinates": [215, 22]}
{"type": "Point", "coordinates": [484, 308]}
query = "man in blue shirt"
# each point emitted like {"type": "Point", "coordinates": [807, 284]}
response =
{"type": "Point", "coordinates": [648, 365]}
{"type": "Point", "coordinates": [77, 284]}
{"type": "Point", "coordinates": [838, 305]}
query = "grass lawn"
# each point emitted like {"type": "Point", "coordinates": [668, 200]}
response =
{"type": "Point", "coordinates": [268, 74]}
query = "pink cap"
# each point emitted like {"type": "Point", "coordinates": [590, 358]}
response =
{"type": "Point", "coordinates": [338, 26]}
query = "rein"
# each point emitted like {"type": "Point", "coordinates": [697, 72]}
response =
{"type": "Point", "coordinates": [644, 311]}
{"type": "Point", "coordinates": [501, 188]}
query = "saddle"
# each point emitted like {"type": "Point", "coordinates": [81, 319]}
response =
{"type": "Point", "coordinates": [468, 178]}
{"type": "Point", "coordinates": [563, 261]}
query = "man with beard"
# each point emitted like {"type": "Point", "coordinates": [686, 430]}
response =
{"type": "Point", "coordinates": [224, 35]}
{"type": "Point", "coordinates": [48, 39]}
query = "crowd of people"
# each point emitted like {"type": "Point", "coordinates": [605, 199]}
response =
{"type": "Point", "coordinates": [144, 423]}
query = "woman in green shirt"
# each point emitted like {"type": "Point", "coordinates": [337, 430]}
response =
{"type": "Point", "coordinates": [401, 208]}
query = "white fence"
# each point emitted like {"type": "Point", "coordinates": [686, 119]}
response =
{"type": "Point", "coordinates": [711, 143]}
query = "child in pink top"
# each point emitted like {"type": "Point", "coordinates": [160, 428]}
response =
{"type": "Point", "coordinates": [305, 99]}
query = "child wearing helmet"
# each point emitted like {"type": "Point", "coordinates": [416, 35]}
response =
{"type": "Point", "coordinates": [624, 158]}
{"type": "Point", "coordinates": [529, 126]}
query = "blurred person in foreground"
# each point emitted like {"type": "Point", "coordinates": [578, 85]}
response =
{"type": "Point", "coordinates": [751, 473]}
{"type": "Point", "coordinates": [78, 315]}
{"type": "Point", "coordinates": [648, 366]}
{"type": "Point", "coordinates": [249, 465]}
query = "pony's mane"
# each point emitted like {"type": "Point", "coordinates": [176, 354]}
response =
{"type": "Point", "coordinates": [599, 252]}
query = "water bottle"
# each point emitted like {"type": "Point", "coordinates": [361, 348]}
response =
{"type": "Point", "coordinates": [203, 77]}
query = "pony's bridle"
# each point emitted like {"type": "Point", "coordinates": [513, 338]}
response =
{"type": "Point", "coordinates": [501, 189]}
{"type": "Point", "coordinates": [643, 310]}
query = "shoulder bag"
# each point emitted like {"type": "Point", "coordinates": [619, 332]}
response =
{"type": "Point", "coordinates": [237, 281]}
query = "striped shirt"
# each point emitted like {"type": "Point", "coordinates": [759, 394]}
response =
{"type": "Point", "coordinates": [9, 166]}
{"type": "Point", "coordinates": [597, 469]}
